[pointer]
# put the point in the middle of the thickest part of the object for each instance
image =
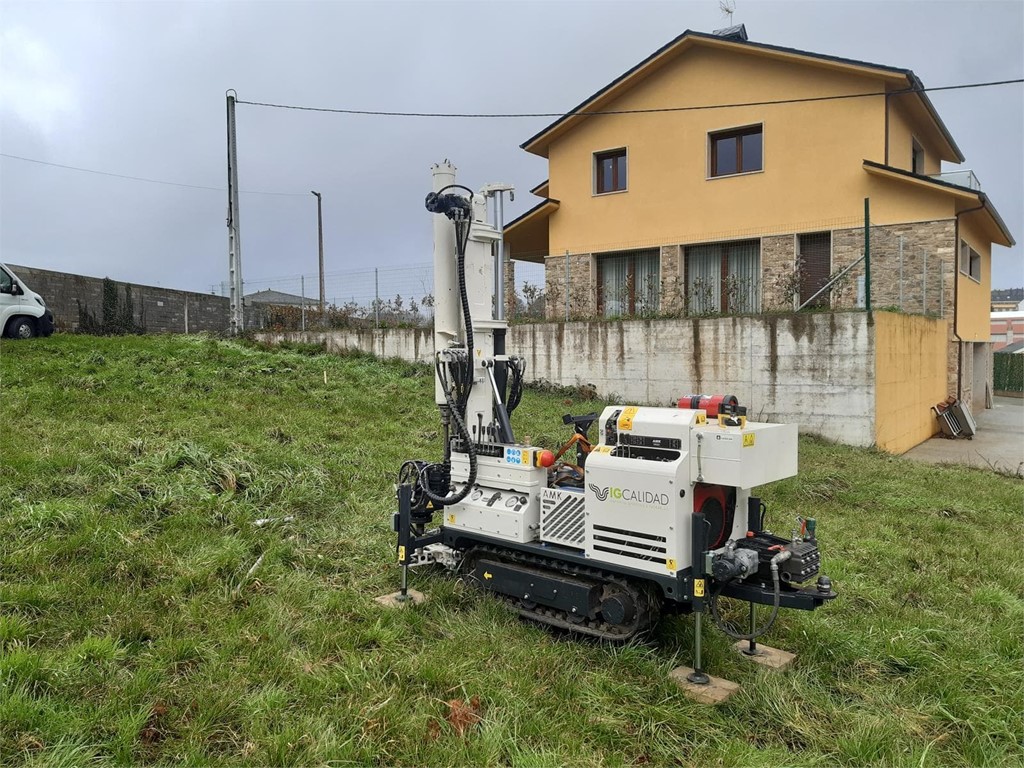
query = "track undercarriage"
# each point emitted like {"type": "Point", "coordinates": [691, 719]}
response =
{"type": "Point", "coordinates": [581, 600]}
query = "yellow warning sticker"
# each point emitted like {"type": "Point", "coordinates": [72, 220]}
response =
{"type": "Point", "coordinates": [748, 439]}
{"type": "Point", "coordinates": [626, 418]}
{"type": "Point", "coordinates": [401, 554]}
{"type": "Point", "coordinates": [670, 564]}
{"type": "Point", "coordinates": [451, 519]}
{"type": "Point", "coordinates": [698, 587]}
{"type": "Point", "coordinates": [603, 449]}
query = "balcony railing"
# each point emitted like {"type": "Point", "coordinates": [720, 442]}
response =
{"type": "Point", "coordinates": [960, 178]}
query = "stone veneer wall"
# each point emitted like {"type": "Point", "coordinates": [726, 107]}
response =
{"type": "Point", "coordinates": [778, 273]}
{"type": "Point", "coordinates": [582, 286]}
{"type": "Point", "coordinates": [927, 261]}
{"type": "Point", "coordinates": [510, 288]}
{"type": "Point", "coordinates": [670, 301]}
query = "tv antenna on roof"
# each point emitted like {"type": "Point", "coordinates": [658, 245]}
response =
{"type": "Point", "coordinates": [727, 7]}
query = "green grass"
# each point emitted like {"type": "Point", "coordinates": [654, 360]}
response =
{"type": "Point", "coordinates": [132, 470]}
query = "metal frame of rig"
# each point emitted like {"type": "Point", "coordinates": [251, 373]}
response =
{"type": "Point", "coordinates": [657, 516]}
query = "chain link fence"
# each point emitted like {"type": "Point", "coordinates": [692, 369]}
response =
{"type": "Point", "coordinates": [382, 297]}
{"type": "Point", "coordinates": [913, 269]}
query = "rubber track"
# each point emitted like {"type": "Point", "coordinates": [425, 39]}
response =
{"type": "Point", "coordinates": [648, 606]}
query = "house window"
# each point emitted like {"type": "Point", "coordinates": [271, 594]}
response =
{"type": "Point", "coordinates": [628, 283]}
{"type": "Point", "coordinates": [723, 278]}
{"type": "Point", "coordinates": [815, 255]}
{"type": "Point", "coordinates": [916, 157]}
{"type": "Point", "coordinates": [970, 262]}
{"type": "Point", "coordinates": [736, 151]}
{"type": "Point", "coordinates": [610, 171]}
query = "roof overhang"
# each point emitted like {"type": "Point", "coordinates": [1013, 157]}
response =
{"type": "Point", "coordinates": [893, 77]}
{"type": "Point", "coordinates": [526, 237]}
{"type": "Point", "coordinates": [964, 195]}
{"type": "Point", "coordinates": [541, 190]}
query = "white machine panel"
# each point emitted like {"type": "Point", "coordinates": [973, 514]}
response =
{"type": "Point", "coordinates": [743, 458]}
{"type": "Point", "coordinates": [506, 501]}
{"type": "Point", "coordinates": [635, 513]}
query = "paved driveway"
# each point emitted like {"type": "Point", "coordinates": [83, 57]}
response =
{"type": "Point", "coordinates": [999, 444]}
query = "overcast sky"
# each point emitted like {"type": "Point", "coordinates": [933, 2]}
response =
{"type": "Point", "coordinates": [138, 89]}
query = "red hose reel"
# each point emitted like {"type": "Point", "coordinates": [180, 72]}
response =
{"type": "Point", "coordinates": [713, 502]}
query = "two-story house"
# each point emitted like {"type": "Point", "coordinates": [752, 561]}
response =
{"type": "Point", "coordinates": [724, 176]}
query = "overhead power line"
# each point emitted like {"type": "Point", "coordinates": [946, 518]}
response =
{"type": "Point", "coordinates": [142, 178]}
{"type": "Point", "coordinates": [591, 113]}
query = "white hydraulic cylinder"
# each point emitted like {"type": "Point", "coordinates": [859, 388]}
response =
{"type": "Point", "coordinates": [447, 311]}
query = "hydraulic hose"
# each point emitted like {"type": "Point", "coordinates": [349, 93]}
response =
{"type": "Point", "coordinates": [460, 212]}
{"type": "Point", "coordinates": [727, 628]}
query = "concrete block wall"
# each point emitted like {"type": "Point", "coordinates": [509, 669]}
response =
{"type": "Point", "coordinates": [816, 370]}
{"type": "Point", "coordinates": [159, 310]}
{"type": "Point", "coordinates": [813, 370]}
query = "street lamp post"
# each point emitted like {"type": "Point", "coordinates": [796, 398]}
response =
{"type": "Point", "coordinates": [320, 237]}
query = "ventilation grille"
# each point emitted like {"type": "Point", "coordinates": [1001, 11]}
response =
{"type": "Point", "coordinates": [561, 517]}
{"type": "Point", "coordinates": [641, 546]}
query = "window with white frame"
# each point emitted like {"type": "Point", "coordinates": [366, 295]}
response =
{"type": "Point", "coordinates": [970, 262]}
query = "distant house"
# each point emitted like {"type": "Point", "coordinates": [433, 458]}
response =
{"type": "Point", "coordinates": [1007, 305]}
{"type": "Point", "coordinates": [1007, 299]}
{"type": "Point", "coordinates": [1007, 329]}
{"type": "Point", "coordinates": [660, 206]}
{"type": "Point", "coordinates": [277, 299]}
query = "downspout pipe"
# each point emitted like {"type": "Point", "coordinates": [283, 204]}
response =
{"type": "Point", "coordinates": [956, 294]}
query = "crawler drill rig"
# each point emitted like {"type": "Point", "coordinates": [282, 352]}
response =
{"type": "Point", "coordinates": [657, 516]}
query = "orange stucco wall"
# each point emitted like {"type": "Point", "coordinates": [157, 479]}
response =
{"type": "Point", "coordinates": [812, 178]}
{"type": "Point", "coordinates": [974, 298]}
{"type": "Point", "coordinates": [910, 376]}
{"type": "Point", "coordinates": [904, 127]}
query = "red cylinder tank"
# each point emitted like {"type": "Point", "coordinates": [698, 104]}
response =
{"type": "Point", "coordinates": [712, 404]}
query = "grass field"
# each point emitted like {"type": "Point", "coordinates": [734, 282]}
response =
{"type": "Point", "coordinates": [135, 629]}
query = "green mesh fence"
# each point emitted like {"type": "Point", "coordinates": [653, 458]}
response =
{"type": "Point", "coordinates": [1008, 372]}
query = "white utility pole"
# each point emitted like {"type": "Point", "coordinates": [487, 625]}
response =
{"type": "Point", "coordinates": [234, 231]}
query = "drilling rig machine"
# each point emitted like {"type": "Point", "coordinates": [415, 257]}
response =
{"type": "Point", "coordinates": [658, 517]}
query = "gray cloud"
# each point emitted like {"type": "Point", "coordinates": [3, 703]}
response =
{"type": "Point", "coordinates": [138, 89]}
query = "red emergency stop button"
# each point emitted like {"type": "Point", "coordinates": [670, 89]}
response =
{"type": "Point", "coordinates": [545, 458]}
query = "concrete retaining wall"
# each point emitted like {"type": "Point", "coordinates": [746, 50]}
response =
{"type": "Point", "coordinates": [815, 370]}
{"type": "Point", "coordinates": [158, 310]}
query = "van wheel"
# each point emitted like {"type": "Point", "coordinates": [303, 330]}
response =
{"type": "Point", "coordinates": [22, 328]}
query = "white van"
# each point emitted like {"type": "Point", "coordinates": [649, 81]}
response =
{"type": "Point", "coordinates": [23, 313]}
